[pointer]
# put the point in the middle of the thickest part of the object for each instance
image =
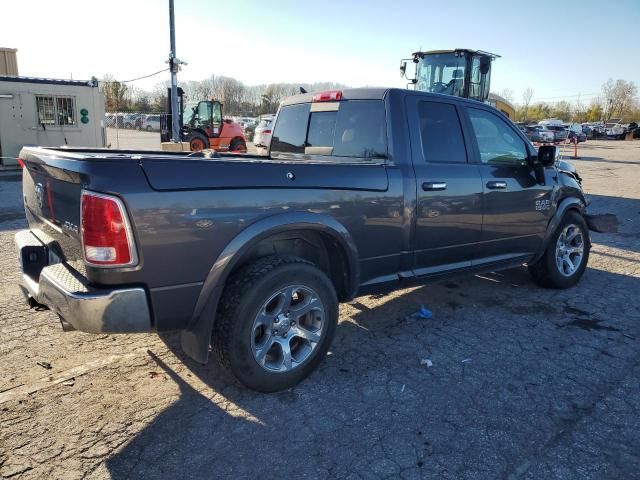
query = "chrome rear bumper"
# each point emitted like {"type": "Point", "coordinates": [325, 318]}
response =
{"type": "Point", "coordinates": [66, 292]}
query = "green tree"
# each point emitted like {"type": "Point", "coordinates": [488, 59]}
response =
{"type": "Point", "coordinates": [594, 112]}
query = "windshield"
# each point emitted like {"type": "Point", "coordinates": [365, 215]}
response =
{"type": "Point", "coordinates": [446, 73]}
{"type": "Point", "coordinates": [441, 73]}
{"type": "Point", "coordinates": [188, 112]}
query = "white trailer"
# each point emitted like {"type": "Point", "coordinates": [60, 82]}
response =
{"type": "Point", "coordinates": [48, 112]}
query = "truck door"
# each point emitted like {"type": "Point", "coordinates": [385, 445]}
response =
{"type": "Point", "coordinates": [516, 207]}
{"type": "Point", "coordinates": [448, 220]}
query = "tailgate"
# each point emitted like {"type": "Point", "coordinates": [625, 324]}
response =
{"type": "Point", "coordinates": [52, 187]}
{"type": "Point", "coordinates": [53, 181]}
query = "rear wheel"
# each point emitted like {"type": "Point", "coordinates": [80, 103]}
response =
{"type": "Point", "coordinates": [275, 323]}
{"type": "Point", "coordinates": [238, 145]}
{"type": "Point", "coordinates": [198, 141]}
{"type": "Point", "coordinates": [565, 259]}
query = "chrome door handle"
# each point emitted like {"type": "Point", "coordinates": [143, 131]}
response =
{"type": "Point", "coordinates": [496, 185]}
{"type": "Point", "coordinates": [433, 186]}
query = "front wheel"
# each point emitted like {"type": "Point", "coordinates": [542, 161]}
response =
{"type": "Point", "coordinates": [237, 145]}
{"type": "Point", "coordinates": [275, 323]}
{"type": "Point", "coordinates": [198, 142]}
{"type": "Point", "coordinates": [565, 259]}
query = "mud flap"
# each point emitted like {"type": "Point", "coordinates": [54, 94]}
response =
{"type": "Point", "coordinates": [603, 223]}
{"type": "Point", "coordinates": [195, 340]}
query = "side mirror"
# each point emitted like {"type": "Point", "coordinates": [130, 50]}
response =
{"type": "Point", "coordinates": [547, 155]}
{"type": "Point", "coordinates": [403, 69]}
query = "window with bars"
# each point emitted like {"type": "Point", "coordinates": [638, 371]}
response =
{"type": "Point", "coordinates": [46, 110]}
{"type": "Point", "coordinates": [66, 111]}
{"type": "Point", "coordinates": [55, 110]}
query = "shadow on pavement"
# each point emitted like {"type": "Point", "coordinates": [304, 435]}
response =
{"type": "Point", "coordinates": [512, 365]}
{"type": "Point", "coordinates": [627, 210]}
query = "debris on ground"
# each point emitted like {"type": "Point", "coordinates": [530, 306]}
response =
{"type": "Point", "coordinates": [424, 313]}
{"type": "Point", "coordinates": [402, 389]}
{"type": "Point", "coordinates": [427, 362]}
{"type": "Point", "coordinates": [69, 383]}
{"type": "Point", "coordinates": [466, 360]}
{"type": "Point", "coordinates": [45, 365]}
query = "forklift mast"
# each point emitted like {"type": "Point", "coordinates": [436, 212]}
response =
{"type": "Point", "coordinates": [166, 120]}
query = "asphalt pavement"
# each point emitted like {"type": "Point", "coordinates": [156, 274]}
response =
{"type": "Point", "coordinates": [521, 383]}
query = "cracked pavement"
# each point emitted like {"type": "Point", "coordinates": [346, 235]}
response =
{"type": "Point", "coordinates": [526, 383]}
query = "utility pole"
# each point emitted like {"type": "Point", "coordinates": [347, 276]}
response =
{"type": "Point", "coordinates": [174, 64]}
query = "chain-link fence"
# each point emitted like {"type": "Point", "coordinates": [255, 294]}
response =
{"type": "Point", "coordinates": [133, 130]}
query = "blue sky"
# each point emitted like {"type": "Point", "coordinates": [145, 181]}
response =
{"type": "Point", "coordinates": [571, 48]}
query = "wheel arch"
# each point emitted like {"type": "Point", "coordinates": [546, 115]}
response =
{"type": "Point", "coordinates": [195, 339]}
{"type": "Point", "coordinates": [564, 205]}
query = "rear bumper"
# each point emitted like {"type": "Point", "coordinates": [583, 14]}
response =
{"type": "Point", "coordinates": [66, 292]}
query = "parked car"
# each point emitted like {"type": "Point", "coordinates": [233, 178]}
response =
{"type": "Point", "coordinates": [249, 132]}
{"type": "Point", "coordinates": [560, 133]}
{"type": "Point", "coordinates": [133, 120]}
{"type": "Point", "coordinates": [539, 134]}
{"type": "Point", "coordinates": [262, 137]}
{"type": "Point", "coordinates": [581, 136]}
{"type": "Point", "coordinates": [363, 190]}
{"type": "Point", "coordinates": [114, 120]}
{"type": "Point", "coordinates": [151, 123]}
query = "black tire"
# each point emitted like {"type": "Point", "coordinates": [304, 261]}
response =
{"type": "Point", "coordinates": [545, 272]}
{"type": "Point", "coordinates": [198, 141]}
{"type": "Point", "coordinates": [245, 295]}
{"type": "Point", "coordinates": [237, 145]}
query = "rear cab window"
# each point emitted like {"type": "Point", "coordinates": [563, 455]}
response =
{"type": "Point", "coordinates": [341, 131]}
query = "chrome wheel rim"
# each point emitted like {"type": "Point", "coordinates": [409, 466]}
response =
{"type": "Point", "coordinates": [569, 250]}
{"type": "Point", "coordinates": [287, 328]}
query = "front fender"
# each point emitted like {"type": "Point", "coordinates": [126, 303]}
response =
{"type": "Point", "coordinates": [195, 339]}
{"type": "Point", "coordinates": [564, 205]}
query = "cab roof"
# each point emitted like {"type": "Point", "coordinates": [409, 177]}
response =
{"type": "Point", "coordinates": [372, 93]}
{"type": "Point", "coordinates": [465, 50]}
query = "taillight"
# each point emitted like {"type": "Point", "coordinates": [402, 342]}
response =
{"type": "Point", "coordinates": [328, 96]}
{"type": "Point", "coordinates": [266, 131]}
{"type": "Point", "coordinates": [107, 239]}
{"type": "Point", "coordinates": [21, 162]}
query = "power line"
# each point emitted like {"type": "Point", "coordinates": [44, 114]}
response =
{"type": "Point", "coordinates": [567, 96]}
{"type": "Point", "coordinates": [145, 76]}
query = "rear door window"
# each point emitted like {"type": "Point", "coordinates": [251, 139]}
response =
{"type": "Point", "coordinates": [441, 133]}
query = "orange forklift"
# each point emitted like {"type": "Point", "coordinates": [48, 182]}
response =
{"type": "Point", "coordinates": [203, 126]}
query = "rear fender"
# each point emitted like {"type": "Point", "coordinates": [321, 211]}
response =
{"type": "Point", "coordinates": [196, 338]}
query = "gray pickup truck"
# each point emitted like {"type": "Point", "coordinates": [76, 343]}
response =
{"type": "Point", "coordinates": [363, 190]}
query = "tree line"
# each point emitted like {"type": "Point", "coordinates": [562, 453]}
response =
{"type": "Point", "coordinates": [617, 100]}
{"type": "Point", "coordinates": [237, 98]}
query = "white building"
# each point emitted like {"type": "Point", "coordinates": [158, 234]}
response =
{"type": "Point", "coordinates": [46, 112]}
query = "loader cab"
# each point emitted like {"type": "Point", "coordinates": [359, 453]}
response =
{"type": "Point", "coordinates": [461, 72]}
{"type": "Point", "coordinates": [205, 115]}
